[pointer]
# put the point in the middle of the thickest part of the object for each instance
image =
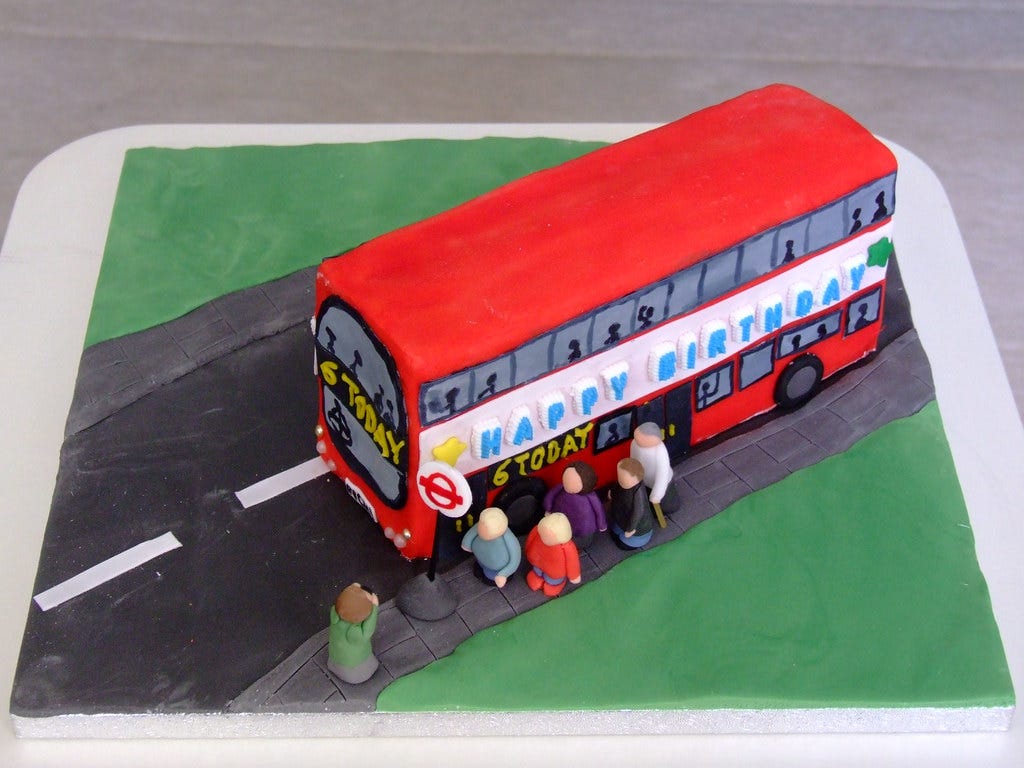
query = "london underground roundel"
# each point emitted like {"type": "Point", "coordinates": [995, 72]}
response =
{"type": "Point", "coordinates": [444, 489]}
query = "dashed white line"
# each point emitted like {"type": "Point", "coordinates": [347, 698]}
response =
{"type": "Point", "coordinates": [277, 484]}
{"type": "Point", "coordinates": [107, 570]}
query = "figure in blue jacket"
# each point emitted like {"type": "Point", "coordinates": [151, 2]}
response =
{"type": "Point", "coordinates": [494, 546]}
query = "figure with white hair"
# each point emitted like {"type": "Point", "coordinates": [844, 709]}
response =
{"type": "Point", "coordinates": [649, 449]}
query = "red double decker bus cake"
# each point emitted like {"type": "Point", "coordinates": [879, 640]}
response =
{"type": "Point", "coordinates": [693, 276]}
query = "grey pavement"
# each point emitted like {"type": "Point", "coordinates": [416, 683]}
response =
{"type": "Point", "coordinates": [895, 382]}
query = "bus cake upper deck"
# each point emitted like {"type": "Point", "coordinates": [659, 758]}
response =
{"type": "Point", "coordinates": [510, 265]}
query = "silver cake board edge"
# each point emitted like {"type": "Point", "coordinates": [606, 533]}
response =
{"type": "Point", "coordinates": [561, 723]}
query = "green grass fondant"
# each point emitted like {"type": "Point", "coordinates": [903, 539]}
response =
{"type": "Point", "coordinates": [852, 583]}
{"type": "Point", "coordinates": [191, 225]}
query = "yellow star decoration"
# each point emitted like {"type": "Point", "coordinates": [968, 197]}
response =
{"type": "Point", "coordinates": [449, 451]}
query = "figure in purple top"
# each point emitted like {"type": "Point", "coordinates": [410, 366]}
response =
{"type": "Point", "coordinates": [575, 498]}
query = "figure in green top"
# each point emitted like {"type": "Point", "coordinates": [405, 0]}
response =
{"type": "Point", "coordinates": [353, 621]}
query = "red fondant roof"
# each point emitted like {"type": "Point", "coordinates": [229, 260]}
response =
{"type": "Point", "coordinates": [476, 281]}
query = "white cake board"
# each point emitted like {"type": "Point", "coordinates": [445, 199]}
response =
{"type": "Point", "coordinates": [50, 258]}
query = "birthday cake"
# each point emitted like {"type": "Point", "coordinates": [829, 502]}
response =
{"type": "Point", "coordinates": [723, 289]}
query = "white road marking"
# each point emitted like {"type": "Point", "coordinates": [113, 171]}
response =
{"type": "Point", "coordinates": [277, 484]}
{"type": "Point", "coordinates": [107, 570]}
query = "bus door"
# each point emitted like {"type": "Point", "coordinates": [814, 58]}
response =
{"type": "Point", "coordinates": [678, 412]}
{"type": "Point", "coordinates": [671, 411]}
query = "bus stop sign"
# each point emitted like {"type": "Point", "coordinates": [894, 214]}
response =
{"type": "Point", "coordinates": [444, 489]}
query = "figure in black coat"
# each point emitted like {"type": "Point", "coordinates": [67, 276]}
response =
{"type": "Point", "coordinates": [632, 517]}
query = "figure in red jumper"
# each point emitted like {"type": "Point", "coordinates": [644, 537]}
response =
{"type": "Point", "coordinates": [552, 555]}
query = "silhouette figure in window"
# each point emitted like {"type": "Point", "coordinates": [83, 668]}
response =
{"type": "Point", "coordinates": [575, 353]}
{"type": "Point", "coordinates": [856, 221]}
{"type": "Point", "coordinates": [491, 388]}
{"type": "Point", "coordinates": [436, 406]}
{"type": "Point", "coordinates": [645, 316]}
{"type": "Point", "coordinates": [613, 334]}
{"type": "Point", "coordinates": [881, 211]}
{"type": "Point", "coordinates": [822, 331]}
{"type": "Point", "coordinates": [357, 360]}
{"type": "Point", "coordinates": [449, 399]}
{"type": "Point", "coordinates": [707, 393]}
{"type": "Point", "coordinates": [613, 434]}
{"type": "Point", "coordinates": [331, 338]}
{"type": "Point", "coordinates": [795, 343]}
{"type": "Point", "coordinates": [862, 317]}
{"type": "Point", "coordinates": [789, 253]}
{"type": "Point", "coordinates": [384, 406]}
{"type": "Point", "coordinates": [337, 420]}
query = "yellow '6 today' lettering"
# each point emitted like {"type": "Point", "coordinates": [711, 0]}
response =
{"type": "Point", "coordinates": [542, 455]}
{"type": "Point", "coordinates": [388, 444]}
{"type": "Point", "coordinates": [329, 371]}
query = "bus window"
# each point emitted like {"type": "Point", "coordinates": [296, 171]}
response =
{"type": "Point", "coordinates": [755, 364]}
{"type": "Point", "coordinates": [826, 227]}
{"type": "Point", "coordinates": [719, 275]}
{"type": "Point", "coordinates": [572, 342]}
{"type": "Point", "coordinates": [445, 398]}
{"type": "Point", "coordinates": [875, 201]}
{"type": "Point", "coordinates": [870, 204]}
{"type": "Point", "coordinates": [757, 257]}
{"type": "Point", "coordinates": [613, 430]}
{"type": "Point", "coordinates": [714, 386]}
{"type": "Point", "coordinates": [532, 360]}
{"type": "Point", "coordinates": [807, 335]}
{"type": "Point", "coordinates": [613, 324]}
{"type": "Point", "coordinates": [651, 306]}
{"type": "Point", "coordinates": [492, 377]}
{"type": "Point", "coordinates": [793, 240]}
{"type": "Point", "coordinates": [863, 311]}
{"type": "Point", "coordinates": [685, 291]}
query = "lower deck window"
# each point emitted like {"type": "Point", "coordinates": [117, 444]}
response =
{"type": "Point", "coordinates": [863, 311]}
{"type": "Point", "coordinates": [799, 339]}
{"type": "Point", "coordinates": [755, 364]}
{"type": "Point", "coordinates": [714, 386]}
{"type": "Point", "coordinates": [613, 430]}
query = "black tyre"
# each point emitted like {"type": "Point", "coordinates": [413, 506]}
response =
{"type": "Point", "coordinates": [798, 382]}
{"type": "Point", "coordinates": [522, 503]}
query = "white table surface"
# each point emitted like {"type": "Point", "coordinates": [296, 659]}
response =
{"type": "Point", "coordinates": [51, 255]}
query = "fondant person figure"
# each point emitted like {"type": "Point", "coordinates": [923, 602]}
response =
{"type": "Point", "coordinates": [494, 546]}
{"type": "Point", "coordinates": [649, 449]}
{"type": "Point", "coordinates": [576, 499]}
{"type": "Point", "coordinates": [632, 518]}
{"type": "Point", "coordinates": [553, 557]}
{"type": "Point", "coordinates": [353, 622]}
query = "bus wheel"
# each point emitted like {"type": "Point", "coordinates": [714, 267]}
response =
{"type": "Point", "coordinates": [798, 382]}
{"type": "Point", "coordinates": [523, 504]}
